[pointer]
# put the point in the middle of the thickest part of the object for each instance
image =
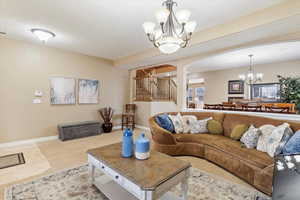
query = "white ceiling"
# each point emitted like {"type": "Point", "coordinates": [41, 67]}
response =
{"type": "Point", "coordinates": [108, 28]}
{"type": "Point", "coordinates": [263, 54]}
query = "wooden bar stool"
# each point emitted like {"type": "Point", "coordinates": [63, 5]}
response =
{"type": "Point", "coordinates": [128, 117]}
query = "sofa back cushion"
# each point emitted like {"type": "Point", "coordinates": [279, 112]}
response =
{"type": "Point", "coordinates": [231, 120]}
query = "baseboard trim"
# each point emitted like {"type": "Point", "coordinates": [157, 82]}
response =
{"type": "Point", "coordinates": [49, 138]}
{"type": "Point", "coordinates": [143, 127]}
{"type": "Point", "coordinates": [116, 128]}
{"type": "Point", "coordinates": [30, 141]}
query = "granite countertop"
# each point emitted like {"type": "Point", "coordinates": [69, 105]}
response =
{"type": "Point", "coordinates": [148, 174]}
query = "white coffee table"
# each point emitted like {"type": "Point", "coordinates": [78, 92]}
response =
{"type": "Point", "coordinates": [131, 179]}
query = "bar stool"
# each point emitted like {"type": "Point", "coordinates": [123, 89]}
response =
{"type": "Point", "coordinates": [128, 117]}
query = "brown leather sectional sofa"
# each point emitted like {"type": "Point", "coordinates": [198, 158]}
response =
{"type": "Point", "coordinates": [251, 165]}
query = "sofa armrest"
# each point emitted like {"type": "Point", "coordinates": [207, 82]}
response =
{"type": "Point", "coordinates": [160, 135]}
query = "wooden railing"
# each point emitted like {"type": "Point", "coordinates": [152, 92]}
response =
{"type": "Point", "coordinates": [155, 89]}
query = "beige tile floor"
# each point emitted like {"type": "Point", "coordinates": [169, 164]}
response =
{"type": "Point", "coordinates": [62, 155]}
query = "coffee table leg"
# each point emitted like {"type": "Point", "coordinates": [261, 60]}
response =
{"type": "Point", "coordinates": [92, 172]}
{"type": "Point", "coordinates": [148, 195]}
{"type": "Point", "coordinates": [184, 185]}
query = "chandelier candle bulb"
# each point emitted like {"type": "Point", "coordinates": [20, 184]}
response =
{"type": "Point", "coordinates": [162, 15]}
{"type": "Point", "coordinates": [149, 27]}
{"type": "Point", "coordinates": [190, 26]}
{"type": "Point", "coordinates": [183, 16]}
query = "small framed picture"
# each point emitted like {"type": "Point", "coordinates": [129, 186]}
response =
{"type": "Point", "coordinates": [236, 87]}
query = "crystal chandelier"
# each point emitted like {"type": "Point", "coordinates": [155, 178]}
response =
{"type": "Point", "coordinates": [251, 77]}
{"type": "Point", "coordinates": [175, 30]}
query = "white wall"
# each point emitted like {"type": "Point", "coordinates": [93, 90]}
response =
{"type": "Point", "coordinates": [147, 109]}
{"type": "Point", "coordinates": [25, 67]}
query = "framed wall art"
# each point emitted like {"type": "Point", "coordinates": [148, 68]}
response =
{"type": "Point", "coordinates": [235, 87]}
{"type": "Point", "coordinates": [62, 90]}
{"type": "Point", "coordinates": [88, 91]}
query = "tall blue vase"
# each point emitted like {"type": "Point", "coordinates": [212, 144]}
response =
{"type": "Point", "coordinates": [127, 144]}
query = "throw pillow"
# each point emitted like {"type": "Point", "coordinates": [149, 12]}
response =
{"type": "Point", "coordinates": [214, 127]}
{"type": "Point", "coordinates": [293, 145]}
{"type": "Point", "coordinates": [188, 120]}
{"type": "Point", "coordinates": [165, 122]}
{"type": "Point", "coordinates": [238, 131]}
{"type": "Point", "coordinates": [288, 133]}
{"type": "Point", "coordinates": [250, 137]}
{"type": "Point", "coordinates": [200, 126]}
{"type": "Point", "coordinates": [266, 131]}
{"type": "Point", "coordinates": [275, 138]}
{"type": "Point", "coordinates": [177, 122]}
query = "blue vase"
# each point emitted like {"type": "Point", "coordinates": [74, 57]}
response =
{"type": "Point", "coordinates": [142, 147]}
{"type": "Point", "coordinates": [127, 145]}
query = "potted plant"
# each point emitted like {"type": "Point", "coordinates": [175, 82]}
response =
{"type": "Point", "coordinates": [107, 114]}
{"type": "Point", "coordinates": [290, 90]}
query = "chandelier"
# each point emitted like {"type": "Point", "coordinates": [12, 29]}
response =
{"type": "Point", "coordinates": [175, 30]}
{"type": "Point", "coordinates": [251, 77]}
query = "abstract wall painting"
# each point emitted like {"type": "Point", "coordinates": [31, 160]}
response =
{"type": "Point", "coordinates": [88, 91]}
{"type": "Point", "coordinates": [62, 91]}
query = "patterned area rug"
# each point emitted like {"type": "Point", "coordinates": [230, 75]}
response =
{"type": "Point", "coordinates": [73, 184]}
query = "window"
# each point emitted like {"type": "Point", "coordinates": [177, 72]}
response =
{"type": "Point", "coordinates": [199, 94]}
{"type": "Point", "coordinates": [190, 94]}
{"type": "Point", "coordinates": [268, 92]}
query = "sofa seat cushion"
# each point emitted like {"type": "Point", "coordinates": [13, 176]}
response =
{"type": "Point", "coordinates": [234, 148]}
{"type": "Point", "coordinates": [252, 156]}
{"type": "Point", "coordinates": [204, 138]}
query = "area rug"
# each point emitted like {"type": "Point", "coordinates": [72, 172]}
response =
{"type": "Point", "coordinates": [11, 160]}
{"type": "Point", "coordinates": [73, 184]}
{"type": "Point", "coordinates": [36, 164]}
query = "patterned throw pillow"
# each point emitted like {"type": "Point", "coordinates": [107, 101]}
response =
{"type": "Point", "coordinates": [177, 122]}
{"type": "Point", "coordinates": [293, 145]}
{"type": "Point", "coordinates": [250, 137]}
{"type": "Point", "coordinates": [266, 131]}
{"type": "Point", "coordinates": [200, 126]}
{"type": "Point", "coordinates": [188, 120]}
{"type": "Point", "coordinates": [274, 139]}
{"type": "Point", "coordinates": [288, 133]}
{"type": "Point", "coordinates": [165, 122]}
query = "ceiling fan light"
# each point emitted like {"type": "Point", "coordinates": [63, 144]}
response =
{"type": "Point", "coordinates": [43, 35]}
{"type": "Point", "coordinates": [183, 16]}
{"type": "Point", "coordinates": [190, 26]}
{"type": "Point", "coordinates": [149, 27]}
{"type": "Point", "coordinates": [162, 15]}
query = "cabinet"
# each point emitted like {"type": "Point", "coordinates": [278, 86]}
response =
{"type": "Point", "coordinates": [78, 130]}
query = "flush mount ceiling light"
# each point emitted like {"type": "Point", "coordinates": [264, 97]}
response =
{"type": "Point", "coordinates": [42, 34]}
{"type": "Point", "coordinates": [175, 30]}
